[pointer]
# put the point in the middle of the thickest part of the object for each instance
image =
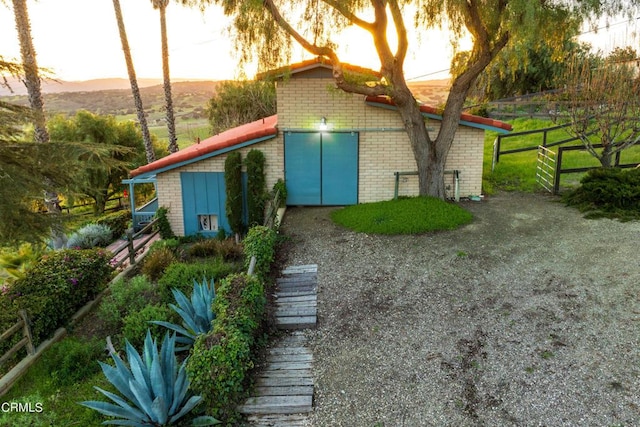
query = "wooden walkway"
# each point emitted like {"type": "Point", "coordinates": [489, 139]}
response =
{"type": "Point", "coordinates": [284, 388]}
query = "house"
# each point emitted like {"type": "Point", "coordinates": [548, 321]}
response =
{"type": "Point", "coordinates": [330, 147]}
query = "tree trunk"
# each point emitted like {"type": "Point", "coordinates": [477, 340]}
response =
{"type": "Point", "coordinates": [605, 156]}
{"type": "Point", "coordinates": [171, 122]}
{"type": "Point", "coordinates": [137, 99]}
{"type": "Point", "coordinates": [32, 82]}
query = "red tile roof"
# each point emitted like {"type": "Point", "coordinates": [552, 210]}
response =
{"type": "Point", "coordinates": [255, 130]}
{"type": "Point", "coordinates": [483, 121]}
{"type": "Point", "coordinates": [309, 64]}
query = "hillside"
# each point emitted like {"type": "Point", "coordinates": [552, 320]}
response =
{"type": "Point", "coordinates": [190, 97]}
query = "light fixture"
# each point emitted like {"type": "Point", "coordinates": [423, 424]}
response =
{"type": "Point", "coordinates": [323, 123]}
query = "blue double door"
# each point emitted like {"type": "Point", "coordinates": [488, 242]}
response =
{"type": "Point", "coordinates": [321, 168]}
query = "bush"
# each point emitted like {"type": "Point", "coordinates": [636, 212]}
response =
{"type": "Point", "coordinates": [118, 222]}
{"type": "Point", "coordinates": [136, 323]}
{"type": "Point", "coordinates": [125, 296]}
{"type": "Point", "coordinates": [163, 223]}
{"type": "Point", "coordinates": [233, 185]}
{"type": "Point", "coordinates": [280, 187]}
{"type": "Point", "coordinates": [91, 236]}
{"type": "Point", "coordinates": [256, 187]}
{"type": "Point", "coordinates": [221, 359]}
{"type": "Point", "coordinates": [608, 192]}
{"type": "Point", "coordinates": [60, 284]}
{"type": "Point", "coordinates": [261, 243]}
{"type": "Point", "coordinates": [181, 276]}
{"type": "Point", "coordinates": [227, 249]}
{"type": "Point", "coordinates": [157, 262]}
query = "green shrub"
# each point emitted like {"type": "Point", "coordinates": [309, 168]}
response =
{"type": "Point", "coordinates": [261, 243]}
{"type": "Point", "coordinates": [163, 223]}
{"type": "Point", "coordinates": [55, 288]}
{"type": "Point", "coordinates": [280, 187]}
{"type": "Point", "coordinates": [136, 323]}
{"type": "Point", "coordinates": [125, 296]}
{"type": "Point", "coordinates": [204, 248]}
{"type": "Point", "coordinates": [118, 222]}
{"type": "Point", "coordinates": [220, 360]}
{"type": "Point", "coordinates": [156, 263]}
{"type": "Point", "coordinates": [173, 244]}
{"type": "Point", "coordinates": [610, 192]}
{"type": "Point", "coordinates": [227, 249]}
{"type": "Point", "coordinates": [91, 236]}
{"type": "Point", "coordinates": [256, 187]}
{"type": "Point", "coordinates": [233, 185]}
{"type": "Point", "coordinates": [72, 360]}
{"type": "Point", "coordinates": [181, 276]}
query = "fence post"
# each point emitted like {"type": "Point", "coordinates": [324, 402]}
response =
{"type": "Point", "coordinates": [556, 179]}
{"type": "Point", "coordinates": [132, 254]}
{"type": "Point", "coordinates": [27, 332]}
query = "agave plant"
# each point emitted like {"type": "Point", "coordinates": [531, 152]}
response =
{"type": "Point", "coordinates": [154, 388]}
{"type": "Point", "coordinates": [196, 314]}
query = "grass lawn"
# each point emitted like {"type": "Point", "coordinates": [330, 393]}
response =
{"type": "Point", "coordinates": [518, 171]}
{"type": "Point", "coordinates": [403, 216]}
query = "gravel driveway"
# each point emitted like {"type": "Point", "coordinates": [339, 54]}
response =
{"type": "Point", "coordinates": [528, 316]}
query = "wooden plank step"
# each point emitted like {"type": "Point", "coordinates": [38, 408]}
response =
{"type": "Point", "coordinates": [284, 290]}
{"type": "Point", "coordinates": [273, 381]}
{"type": "Point", "coordinates": [297, 278]}
{"type": "Point", "coordinates": [277, 405]}
{"type": "Point", "coordinates": [296, 311]}
{"type": "Point", "coordinates": [287, 366]}
{"type": "Point", "coordinates": [297, 269]}
{"type": "Point", "coordinates": [299, 322]}
{"type": "Point", "coordinates": [294, 390]}
{"type": "Point", "coordinates": [295, 304]}
{"type": "Point", "coordinates": [302, 298]}
{"type": "Point", "coordinates": [293, 351]}
{"type": "Point", "coordinates": [290, 357]}
{"type": "Point", "coordinates": [296, 293]}
{"type": "Point", "coordinates": [298, 285]}
{"type": "Point", "coordinates": [299, 373]}
{"type": "Point", "coordinates": [279, 420]}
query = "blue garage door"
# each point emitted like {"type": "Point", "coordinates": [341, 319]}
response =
{"type": "Point", "coordinates": [321, 168]}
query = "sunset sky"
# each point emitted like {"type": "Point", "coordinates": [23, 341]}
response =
{"type": "Point", "coordinates": [78, 40]}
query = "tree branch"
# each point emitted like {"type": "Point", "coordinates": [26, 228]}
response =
{"type": "Point", "coordinates": [351, 17]}
{"type": "Point", "coordinates": [327, 52]}
{"type": "Point", "coordinates": [401, 31]}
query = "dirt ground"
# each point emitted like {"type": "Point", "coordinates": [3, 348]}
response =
{"type": "Point", "coordinates": [528, 316]}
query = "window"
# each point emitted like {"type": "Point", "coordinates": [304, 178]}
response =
{"type": "Point", "coordinates": [208, 222]}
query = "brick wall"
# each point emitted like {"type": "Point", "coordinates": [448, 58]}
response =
{"type": "Point", "coordinates": [384, 146]}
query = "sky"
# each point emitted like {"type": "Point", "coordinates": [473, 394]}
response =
{"type": "Point", "coordinates": [78, 40]}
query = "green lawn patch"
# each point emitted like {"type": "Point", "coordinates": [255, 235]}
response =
{"type": "Point", "coordinates": [403, 216]}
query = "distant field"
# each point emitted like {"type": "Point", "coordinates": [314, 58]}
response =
{"type": "Point", "coordinates": [518, 171]}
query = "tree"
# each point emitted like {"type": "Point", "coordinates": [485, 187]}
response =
{"type": "Point", "coordinates": [27, 168]}
{"type": "Point", "coordinates": [603, 107]}
{"type": "Point", "coordinates": [508, 75]}
{"type": "Point", "coordinates": [238, 102]}
{"type": "Point", "coordinates": [124, 142]}
{"type": "Point", "coordinates": [268, 28]}
{"type": "Point", "coordinates": [233, 186]}
{"type": "Point", "coordinates": [135, 90]}
{"type": "Point", "coordinates": [161, 5]}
